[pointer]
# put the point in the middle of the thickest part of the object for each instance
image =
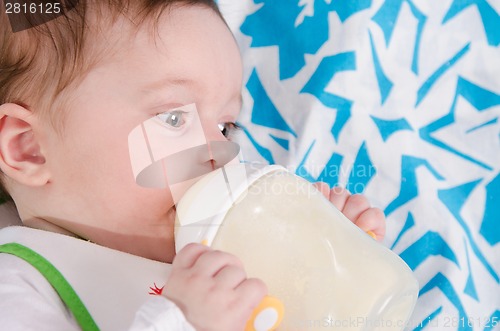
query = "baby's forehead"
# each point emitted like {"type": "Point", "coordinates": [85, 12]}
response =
{"type": "Point", "coordinates": [132, 39]}
{"type": "Point", "coordinates": [122, 39]}
{"type": "Point", "coordinates": [179, 33]}
{"type": "Point", "coordinates": [179, 61]}
{"type": "Point", "coordinates": [115, 42]}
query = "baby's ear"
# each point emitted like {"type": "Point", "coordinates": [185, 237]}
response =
{"type": "Point", "coordinates": [20, 156]}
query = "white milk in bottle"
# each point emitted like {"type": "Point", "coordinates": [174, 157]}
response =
{"type": "Point", "coordinates": [327, 273]}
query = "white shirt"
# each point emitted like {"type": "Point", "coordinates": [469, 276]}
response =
{"type": "Point", "coordinates": [113, 285]}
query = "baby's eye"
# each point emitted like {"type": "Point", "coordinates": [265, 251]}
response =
{"type": "Point", "coordinates": [228, 128]}
{"type": "Point", "coordinates": [173, 118]}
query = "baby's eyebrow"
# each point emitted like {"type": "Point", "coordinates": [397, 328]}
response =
{"type": "Point", "coordinates": [165, 82]}
{"type": "Point", "coordinates": [153, 93]}
{"type": "Point", "coordinates": [161, 84]}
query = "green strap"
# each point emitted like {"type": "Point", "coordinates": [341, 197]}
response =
{"type": "Point", "coordinates": [58, 282]}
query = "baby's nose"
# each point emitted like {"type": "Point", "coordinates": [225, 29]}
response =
{"type": "Point", "coordinates": [221, 153]}
{"type": "Point", "coordinates": [212, 132]}
{"type": "Point", "coordinates": [220, 150]}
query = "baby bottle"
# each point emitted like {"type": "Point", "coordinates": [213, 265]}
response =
{"type": "Point", "coordinates": [322, 271]}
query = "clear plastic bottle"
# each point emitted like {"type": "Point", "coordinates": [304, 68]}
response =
{"type": "Point", "coordinates": [327, 272]}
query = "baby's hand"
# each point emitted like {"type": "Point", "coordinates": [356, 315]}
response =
{"type": "Point", "coordinates": [212, 289]}
{"type": "Point", "coordinates": [356, 208]}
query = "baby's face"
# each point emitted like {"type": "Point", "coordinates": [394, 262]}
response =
{"type": "Point", "coordinates": [195, 60]}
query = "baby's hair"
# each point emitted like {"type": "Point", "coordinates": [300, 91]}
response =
{"type": "Point", "coordinates": [37, 64]}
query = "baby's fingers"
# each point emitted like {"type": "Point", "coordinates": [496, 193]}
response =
{"type": "Point", "coordinates": [213, 261]}
{"type": "Point", "coordinates": [323, 188]}
{"type": "Point", "coordinates": [355, 205]}
{"type": "Point", "coordinates": [337, 196]}
{"type": "Point", "coordinates": [372, 219]}
{"type": "Point", "coordinates": [253, 291]}
{"type": "Point", "coordinates": [188, 255]}
{"type": "Point", "coordinates": [230, 277]}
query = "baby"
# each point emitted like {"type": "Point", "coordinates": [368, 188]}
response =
{"type": "Point", "coordinates": [71, 91]}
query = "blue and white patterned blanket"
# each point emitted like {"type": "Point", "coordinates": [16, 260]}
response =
{"type": "Point", "coordinates": [398, 100]}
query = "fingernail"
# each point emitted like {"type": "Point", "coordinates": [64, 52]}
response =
{"type": "Point", "coordinates": [372, 234]}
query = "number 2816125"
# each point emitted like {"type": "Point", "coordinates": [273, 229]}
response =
{"type": "Point", "coordinates": [33, 8]}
